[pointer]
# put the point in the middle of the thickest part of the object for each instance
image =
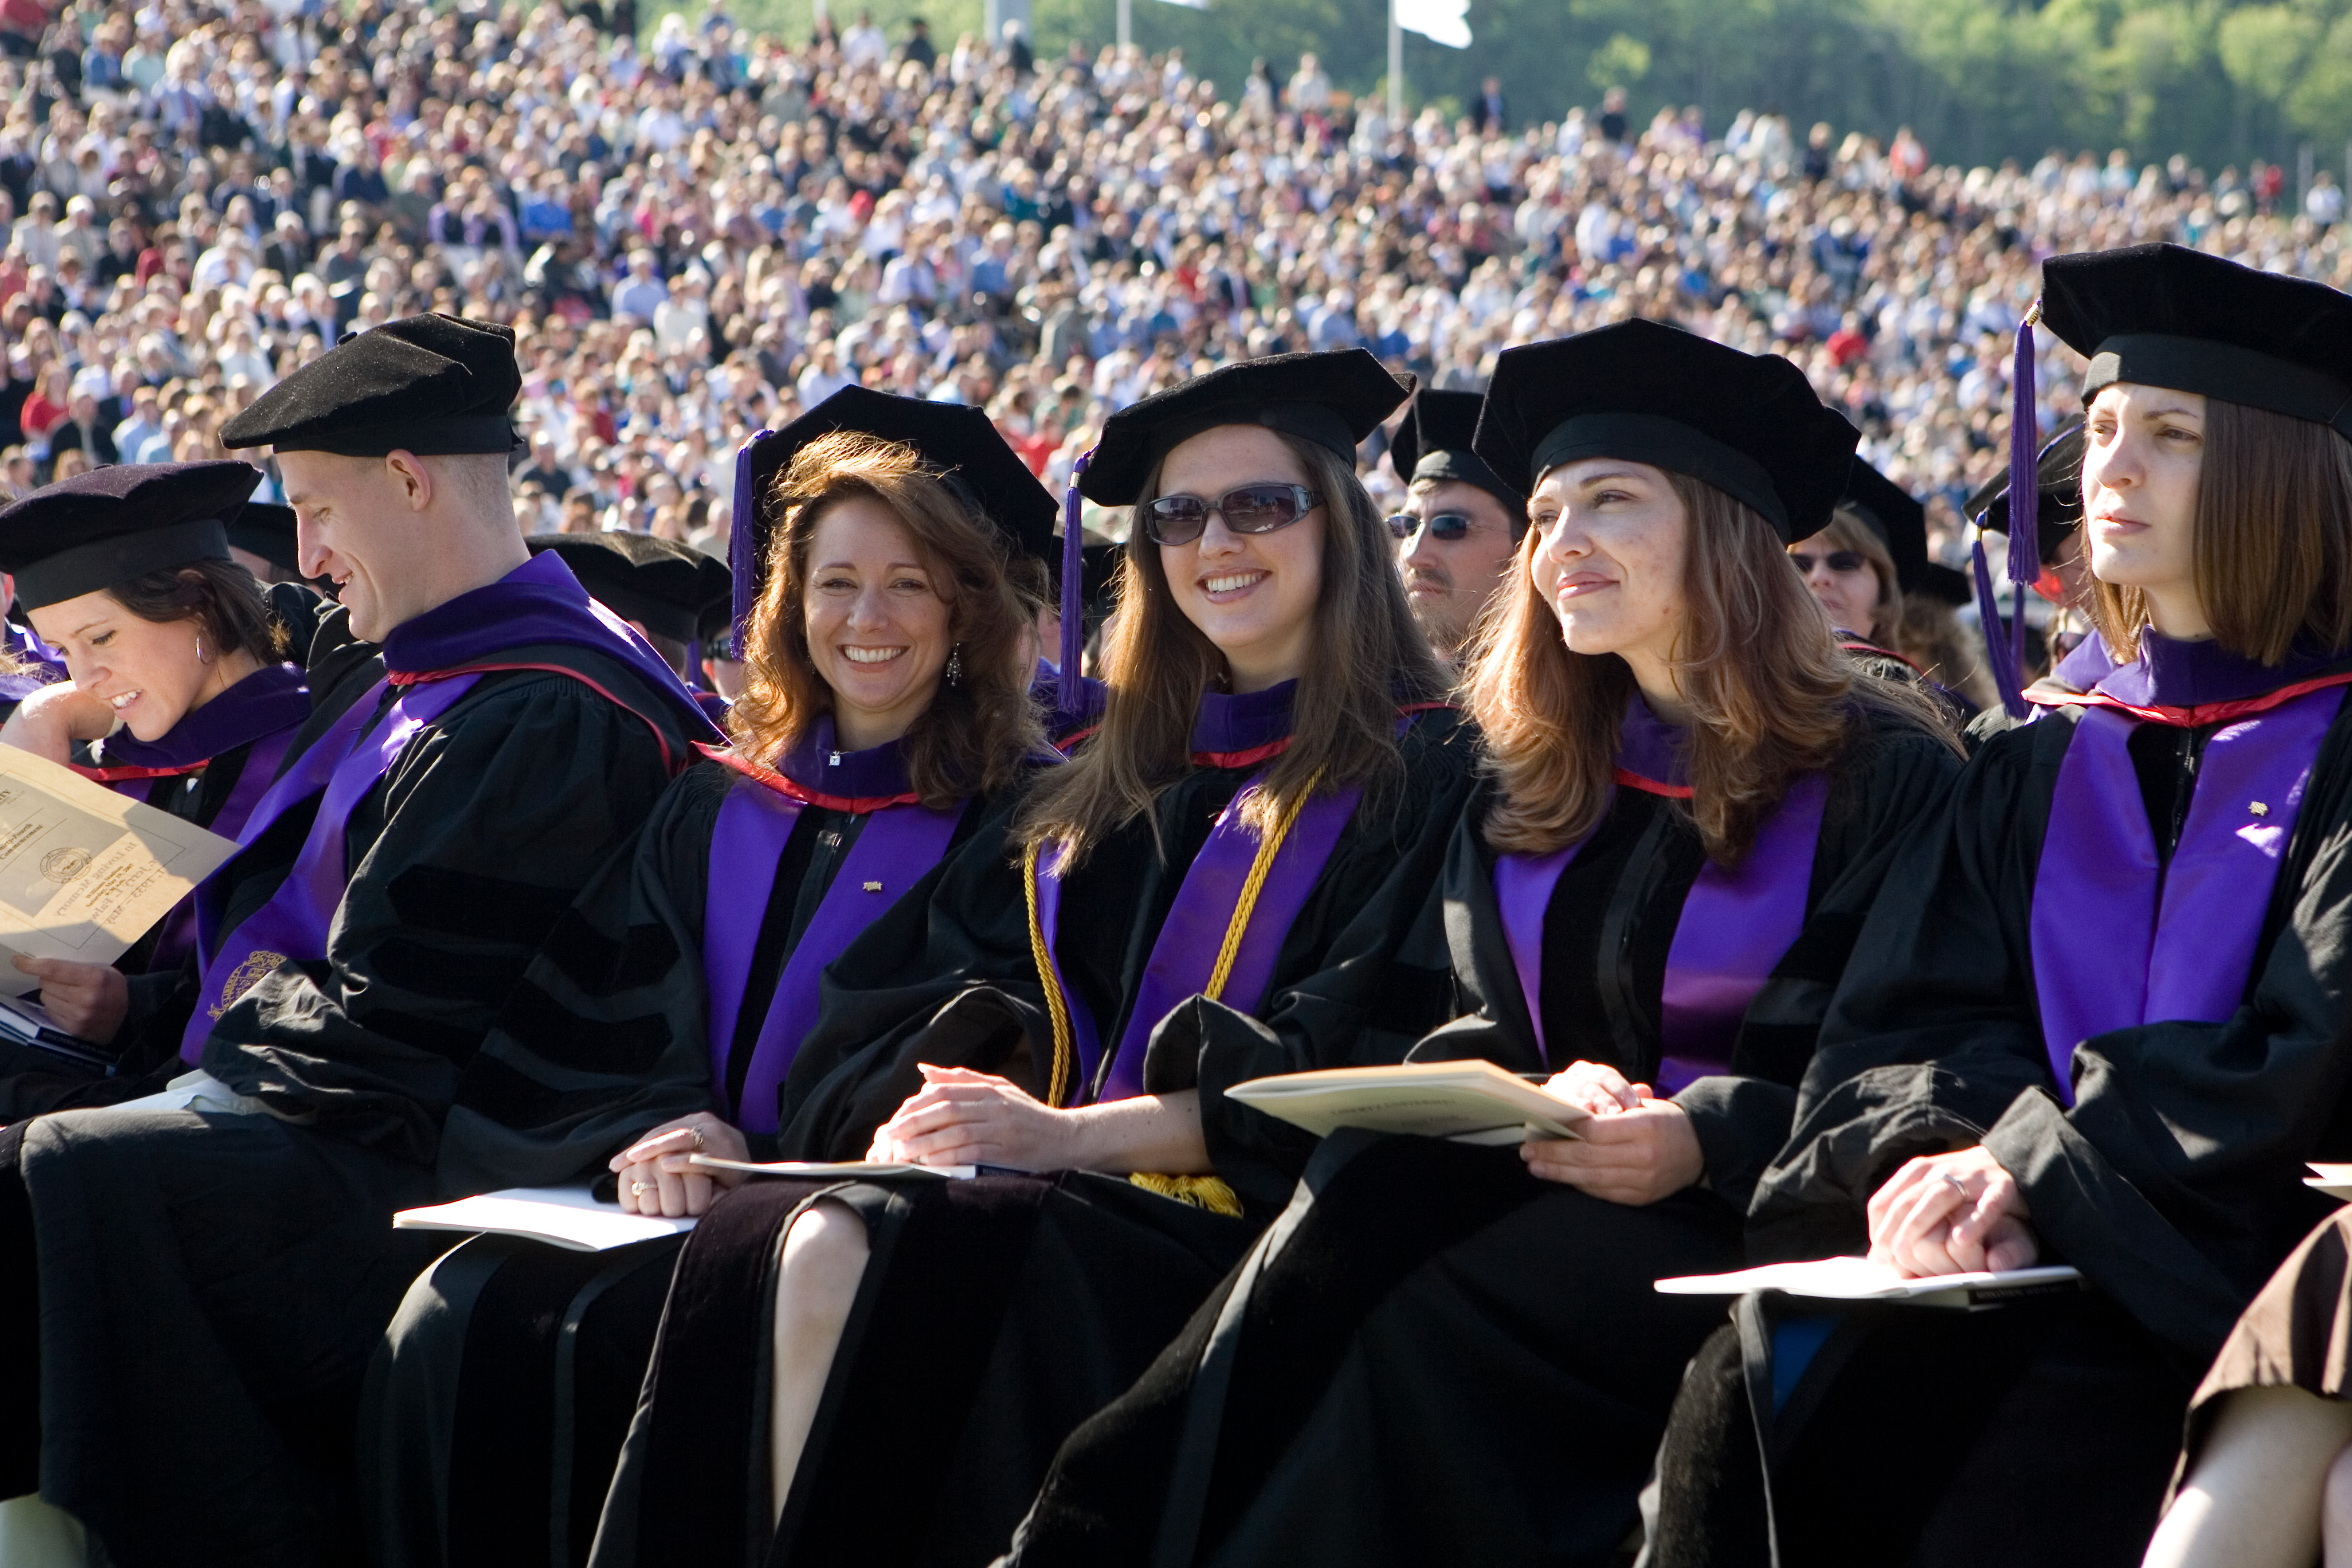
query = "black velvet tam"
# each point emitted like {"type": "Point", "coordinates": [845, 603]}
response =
{"type": "Point", "coordinates": [267, 529]}
{"type": "Point", "coordinates": [1642, 391]}
{"type": "Point", "coordinates": [2163, 315]}
{"type": "Point", "coordinates": [1334, 400]}
{"type": "Point", "coordinates": [436, 385]}
{"type": "Point", "coordinates": [2058, 475]}
{"type": "Point", "coordinates": [1433, 443]}
{"type": "Point", "coordinates": [114, 523]}
{"type": "Point", "coordinates": [663, 585]}
{"type": "Point", "coordinates": [959, 442]}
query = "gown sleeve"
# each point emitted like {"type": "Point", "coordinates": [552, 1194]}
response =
{"type": "Point", "coordinates": [2172, 1181]}
{"type": "Point", "coordinates": [605, 1036]}
{"type": "Point", "coordinates": [1887, 786]}
{"type": "Point", "coordinates": [462, 859]}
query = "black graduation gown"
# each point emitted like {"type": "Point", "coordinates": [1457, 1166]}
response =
{"type": "Point", "coordinates": [1008, 1308]}
{"type": "Point", "coordinates": [498, 1404]}
{"type": "Point", "coordinates": [2172, 1183]}
{"type": "Point", "coordinates": [210, 1285]}
{"type": "Point", "coordinates": [1436, 1356]}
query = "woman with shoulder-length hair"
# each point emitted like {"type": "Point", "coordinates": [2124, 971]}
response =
{"type": "Point", "coordinates": [1177, 910]}
{"type": "Point", "coordinates": [884, 716]}
{"type": "Point", "coordinates": [2096, 1018]}
{"type": "Point", "coordinates": [179, 696]}
{"type": "Point", "coordinates": [1449, 1353]}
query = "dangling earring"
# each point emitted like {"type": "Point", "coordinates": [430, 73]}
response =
{"type": "Point", "coordinates": [955, 665]}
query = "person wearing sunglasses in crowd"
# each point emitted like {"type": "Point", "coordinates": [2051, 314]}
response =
{"type": "Point", "coordinates": [1155, 923]}
{"type": "Point", "coordinates": [2096, 1016]}
{"type": "Point", "coordinates": [1451, 1353]}
{"type": "Point", "coordinates": [1891, 603]}
{"type": "Point", "coordinates": [880, 526]}
{"type": "Point", "coordinates": [1461, 522]}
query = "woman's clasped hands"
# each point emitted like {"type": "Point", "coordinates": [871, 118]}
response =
{"type": "Point", "coordinates": [1634, 1148]}
{"type": "Point", "coordinates": [1951, 1213]}
{"type": "Point", "coordinates": [658, 1173]}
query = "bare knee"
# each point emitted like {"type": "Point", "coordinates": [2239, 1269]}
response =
{"type": "Point", "coordinates": [2336, 1508]}
{"type": "Point", "coordinates": [823, 1257]}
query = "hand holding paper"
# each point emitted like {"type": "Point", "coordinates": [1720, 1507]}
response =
{"type": "Point", "coordinates": [84, 872]}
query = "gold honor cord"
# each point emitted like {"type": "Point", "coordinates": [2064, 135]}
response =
{"type": "Point", "coordinates": [1201, 1192]}
{"type": "Point", "coordinates": [1056, 1006]}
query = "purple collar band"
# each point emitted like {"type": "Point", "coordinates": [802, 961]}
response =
{"type": "Point", "coordinates": [876, 773]}
{"type": "Point", "coordinates": [2173, 673]}
{"type": "Point", "coordinates": [271, 699]}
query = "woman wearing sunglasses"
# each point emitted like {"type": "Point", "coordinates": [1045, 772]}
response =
{"type": "Point", "coordinates": [1159, 921]}
{"type": "Point", "coordinates": [1452, 1354]}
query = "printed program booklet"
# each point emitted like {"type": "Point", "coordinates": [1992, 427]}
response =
{"type": "Point", "coordinates": [1468, 1101]}
{"type": "Point", "coordinates": [1860, 1279]}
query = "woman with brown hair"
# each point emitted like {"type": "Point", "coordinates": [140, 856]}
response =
{"type": "Point", "coordinates": [1177, 910]}
{"type": "Point", "coordinates": [2098, 1018]}
{"type": "Point", "coordinates": [1449, 1353]}
{"type": "Point", "coordinates": [883, 720]}
{"type": "Point", "coordinates": [179, 696]}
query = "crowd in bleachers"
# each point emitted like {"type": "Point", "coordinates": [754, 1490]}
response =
{"type": "Point", "coordinates": [702, 235]}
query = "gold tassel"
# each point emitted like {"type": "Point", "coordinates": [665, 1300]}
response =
{"type": "Point", "coordinates": [1201, 1192]}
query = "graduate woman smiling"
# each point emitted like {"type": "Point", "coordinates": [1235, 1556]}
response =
{"type": "Point", "coordinates": [2097, 1015]}
{"type": "Point", "coordinates": [886, 715]}
{"type": "Point", "coordinates": [1272, 752]}
{"type": "Point", "coordinates": [1453, 1353]}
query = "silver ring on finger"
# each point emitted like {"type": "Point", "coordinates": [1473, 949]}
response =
{"type": "Point", "coordinates": [1961, 1187]}
{"type": "Point", "coordinates": [696, 1132]}
{"type": "Point", "coordinates": [637, 1188]}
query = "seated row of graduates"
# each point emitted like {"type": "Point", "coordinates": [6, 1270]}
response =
{"type": "Point", "coordinates": [1821, 985]}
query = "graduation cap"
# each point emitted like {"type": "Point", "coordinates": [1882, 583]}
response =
{"type": "Point", "coordinates": [663, 585]}
{"type": "Point", "coordinates": [1749, 425]}
{"type": "Point", "coordinates": [1900, 521]}
{"type": "Point", "coordinates": [1433, 443]}
{"type": "Point", "coordinates": [2163, 315]}
{"type": "Point", "coordinates": [2058, 472]}
{"type": "Point", "coordinates": [436, 385]}
{"type": "Point", "coordinates": [266, 530]}
{"type": "Point", "coordinates": [959, 442]}
{"type": "Point", "coordinates": [1333, 399]}
{"type": "Point", "coordinates": [121, 522]}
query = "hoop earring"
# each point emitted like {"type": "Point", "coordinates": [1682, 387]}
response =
{"type": "Point", "coordinates": [955, 665]}
{"type": "Point", "coordinates": [202, 656]}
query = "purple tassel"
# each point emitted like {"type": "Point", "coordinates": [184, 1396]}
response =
{"type": "Point", "coordinates": [694, 664]}
{"type": "Point", "coordinates": [1999, 655]}
{"type": "Point", "coordinates": [743, 541]}
{"type": "Point", "coordinates": [1073, 592]}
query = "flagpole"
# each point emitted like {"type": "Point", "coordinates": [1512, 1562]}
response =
{"type": "Point", "coordinates": [1126, 24]}
{"type": "Point", "coordinates": [1396, 69]}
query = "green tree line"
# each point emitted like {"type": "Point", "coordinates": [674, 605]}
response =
{"type": "Point", "coordinates": [2219, 80]}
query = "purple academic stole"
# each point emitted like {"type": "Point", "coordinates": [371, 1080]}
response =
{"type": "Point", "coordinates": [346, 762]}
{"type": "Point", "coordinates": [1185, 952]}
{"type": "Point", "coordinates": [2119, 939]}
{"type": "Point", "coordinates": [1735, 926]}
{"type": "Point", "coordinates": [902, 840]}
{"type": "Point", "coordinates": [178, 935]}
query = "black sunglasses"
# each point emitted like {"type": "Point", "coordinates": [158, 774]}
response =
{"type": "Point", "coordinates": [1247, 508]}
{"type": "Point", "coordinates": [1446, 526]}
{"type": "Point", "coordinates": [1836, 561]}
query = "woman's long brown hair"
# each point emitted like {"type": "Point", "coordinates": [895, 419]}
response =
{"type": "Point", "coordinates": [973, 736]}
{"type": "Point", "coordinates": [1367, 655]}
{"type": "Point", "coordinates": [1771, 695]}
